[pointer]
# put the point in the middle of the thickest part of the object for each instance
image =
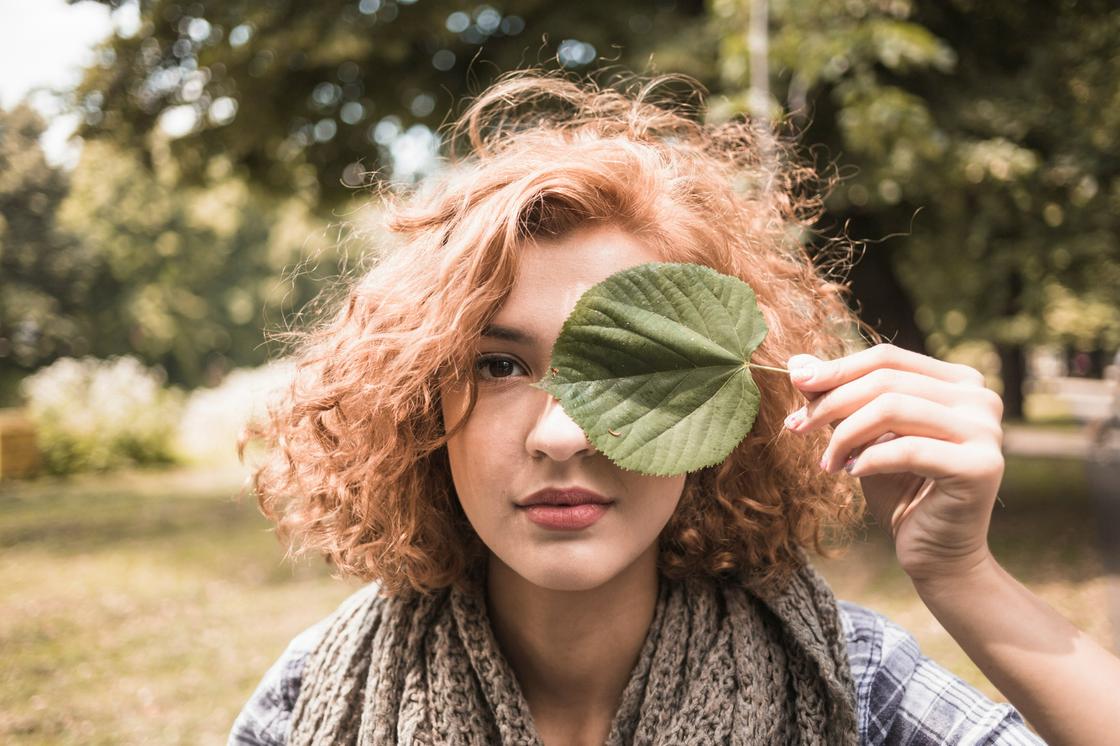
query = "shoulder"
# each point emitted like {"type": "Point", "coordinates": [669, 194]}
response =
{"type": "Point", "coordinates": [904, 697]}
{"type": "Point", "coordinates": [265, 718]}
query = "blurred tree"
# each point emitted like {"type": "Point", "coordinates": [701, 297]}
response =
{"type": "Point", "coordinates": [197, 269]}
{"type": "Point", "coordinates": [340, 85]}
{"type": "Point", "coordinates": [47, 276]}
{"type": "Point", "coordinates": [987, 137]}
{"type": "Point", "coordinates": [1033, 189]}
{"type": "Point", "coordinates": [216, 121]}
{"type": "Point", "coordinates": [117, 258]}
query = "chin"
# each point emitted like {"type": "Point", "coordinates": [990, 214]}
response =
{"type": "Point", "coordinates": [566, 571]}
{"type": "Point", "coordinates": [563, 580]}
{"type": "Point", "coordinates": [568, 579]}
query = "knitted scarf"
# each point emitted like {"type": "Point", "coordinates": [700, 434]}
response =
{"type": "Point", "coordinates": [721, 664]}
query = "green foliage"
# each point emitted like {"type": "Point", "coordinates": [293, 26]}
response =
{"type": "Point", "coordinates": [981, 141]}
{"type": "Point", "coordinates": [117, 257]}
{"type": "Point", "coordinates": [652, 364]}
{"type": "Point", "coordinates": [179, 249]}
{"type": "Point", "coordinates": [986, 137]}
{"type": "Point", "coordinates": [199, 270]}
{"type": "Point", "coordinates": [97, 415]}
{"type": "Point", "coordinates": [47, 277]}
{"type": "Point", "coordinates": [312, 95]}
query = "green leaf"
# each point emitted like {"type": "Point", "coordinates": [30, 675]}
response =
{"type": "Point", "coordinates": [652, 365]}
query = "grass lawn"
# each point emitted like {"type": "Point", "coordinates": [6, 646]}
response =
{"type": "Point", "coordinates": [144, 607]}
{"type": "Point", "coordinates": [141, 608]}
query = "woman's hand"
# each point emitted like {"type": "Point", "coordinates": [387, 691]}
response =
{"type": "Point", "coordinates": [924, 438]}
{"type": "Point", "coordinates": [927, 440]}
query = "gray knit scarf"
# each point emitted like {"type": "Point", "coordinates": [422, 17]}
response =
{"type": "Point", "coordinates": [721, 664]}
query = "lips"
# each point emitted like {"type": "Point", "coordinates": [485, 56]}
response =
{"type": "Point", "coordinates": [564, 496]}
{"type": "Point", "coordinates": [565, 509]}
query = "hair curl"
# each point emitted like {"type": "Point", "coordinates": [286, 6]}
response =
{"type": "Point", "coordinates": [357, 470]}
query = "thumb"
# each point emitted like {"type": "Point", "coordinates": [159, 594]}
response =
{"type": "Point", "coordinates": [804, 360]}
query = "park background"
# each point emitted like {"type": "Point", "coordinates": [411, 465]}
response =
{"type": "Point", "coordinates": [200, 183]}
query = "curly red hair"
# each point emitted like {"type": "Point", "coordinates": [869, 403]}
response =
{"type": "Point", "coordinates": [357, 468]}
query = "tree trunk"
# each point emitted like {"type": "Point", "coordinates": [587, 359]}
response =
{"type": "Point", "coordinates": [882, 302]}
{"type": "Point", "coordinates": [1012, 356]}
{"type": "Point", "coordinates": [1013, 371]}
{"type": "Point", "coordinates": [1098, 359]}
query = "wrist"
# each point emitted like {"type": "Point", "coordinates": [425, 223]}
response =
{"type": "Point", "coordinates": [963, 576]}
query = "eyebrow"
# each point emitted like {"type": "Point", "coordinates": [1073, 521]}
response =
{"type": "Point", "coordinates": [495, 331]}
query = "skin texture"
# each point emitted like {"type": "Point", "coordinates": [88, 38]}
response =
{"type": "Point", "coordinates": [570, 609]}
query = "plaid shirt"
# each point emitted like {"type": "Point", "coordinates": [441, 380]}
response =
{"type": "Point", "coordinates": [902, 697]}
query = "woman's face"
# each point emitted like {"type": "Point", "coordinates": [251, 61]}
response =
{"type": "Point", "coordinates": [518, 440]}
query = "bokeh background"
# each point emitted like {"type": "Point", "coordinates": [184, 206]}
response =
{"type": "Point", "coordinates": [181, 182]}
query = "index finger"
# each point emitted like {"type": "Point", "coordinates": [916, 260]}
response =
{"type": "Point", "coordinates": [828, 374]}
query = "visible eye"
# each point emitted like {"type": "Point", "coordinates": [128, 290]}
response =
{"type": "Point", "coordinates": [499, 367]}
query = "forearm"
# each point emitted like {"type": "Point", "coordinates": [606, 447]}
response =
{"type": "Point", "coordinates": [1064, 683]}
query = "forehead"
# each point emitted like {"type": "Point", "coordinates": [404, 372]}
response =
{"type": "Point", "coordinates": [553, 273]}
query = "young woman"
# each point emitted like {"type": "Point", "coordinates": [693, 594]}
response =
{"type": "Point", "coordinates": [523, 588]}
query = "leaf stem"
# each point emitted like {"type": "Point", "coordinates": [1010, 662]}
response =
{"type": "Point", "coordinates": [767, 367]}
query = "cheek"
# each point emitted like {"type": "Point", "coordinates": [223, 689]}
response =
{"type": "Point", "coordinates": [481, 456]}
{"type": "Point", "coordinates": [471, 470]}
{"type": "Point", "coordinates": [656, 500]}
{"type": "Point", "coordinates": [663, 495]}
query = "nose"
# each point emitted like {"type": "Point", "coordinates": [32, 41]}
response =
{"type": "Point", "coordinates": [556, 435]}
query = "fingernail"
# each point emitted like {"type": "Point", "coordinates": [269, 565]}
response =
{"type": "Point", "coordinates": [824, 463]}
{"type": "Point", "coordinates": [802, 374]}
{"type": "Point", "coordinates": [795, 419]}
{"type": "Point", "coordinates": [850, 464]}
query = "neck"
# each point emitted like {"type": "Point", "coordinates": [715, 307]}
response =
{"type": "Point", "coordinates": [573, 651]}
